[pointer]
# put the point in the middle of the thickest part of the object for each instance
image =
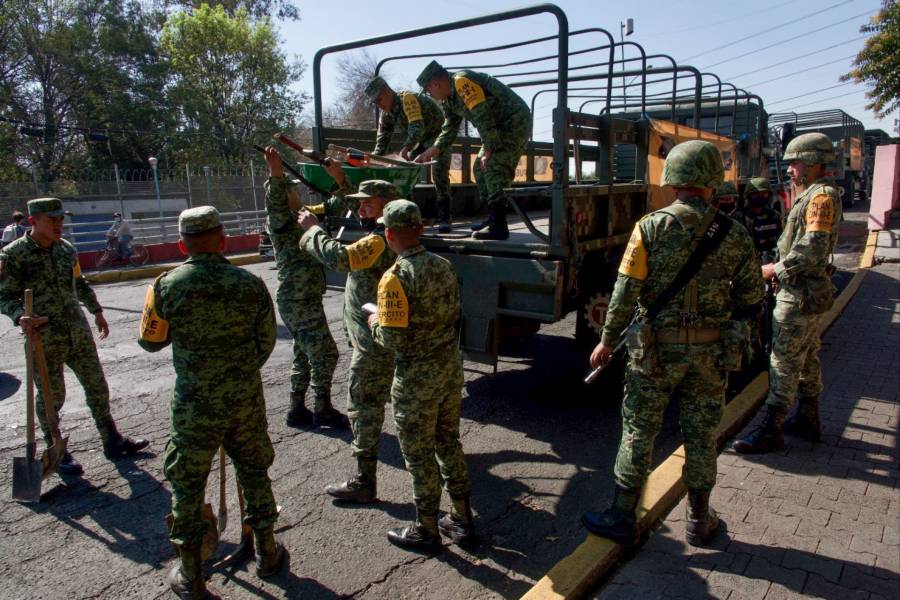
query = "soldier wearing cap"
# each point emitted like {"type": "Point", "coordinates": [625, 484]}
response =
{"type": "Point", "coordinates": [301, 285]}
{"type": "Point", "coordinates": [371, 366]}
{"type": "Point", "coordinates": [763, 223]}
{"type": "Point", "coordinates": [417, 319]}
{"type": "Point", "coordinates": [805, 292]}
{"type": "Point", "coordinates": [220, 322]}
{"type": "Point", "coordinates": [420, 117]}
{"type": "Point", "coordinates": [47, 264]}
{"type": "Point", "coordinates": [503, 122]}
{"type": "Point", "coordinates": [726, 197]}
{"type": "Point", "coordinates": [688, 346]}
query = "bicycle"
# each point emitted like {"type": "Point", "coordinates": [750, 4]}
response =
{"type": "Point", "coordinates": [110, 255]}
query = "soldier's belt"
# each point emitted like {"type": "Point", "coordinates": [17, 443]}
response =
{"type": "Point", "coordinates": [688, 336]}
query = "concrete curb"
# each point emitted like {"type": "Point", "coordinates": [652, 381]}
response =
{"type": "Point", "coordinates": [578, 573]}
{"type": "Point", "coordinates": [155, 270]}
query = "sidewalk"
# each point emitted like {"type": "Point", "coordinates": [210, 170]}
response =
{"type": "Point", "coordinates": [812, 521]}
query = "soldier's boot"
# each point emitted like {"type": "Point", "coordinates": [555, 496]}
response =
{"type": "Point", "coordinates": [361, 488]}
{"type": "Point", "coordinates": [269, 552]}
{"type": "Point", "coordinates": [618, 522]}
{"type": "Point", "coordinates": [497, 228]}
{"type": "Point", "coordinates": [421, 535]}
{"type": "Point", "coordinates": [69, 466]}
{"type": "Point", "coordinates": [116, 445]}
{"type": "Point", "coordinates": [325, 414]}
{"type": "Point", "coordinates": [459, 524]}
{"type": "Point", "coordinates": [702, 522]}
{"type": "Point", "coordinates": [482, 224]}
{"type": "Point", "coordinates": [768, 436]}
{"type": "Point", "coordinates": [804, 423]}
{"type": "Point", "coordinates": [443, 215]}
{"type": "Point", "coordinates": [299, 415]}
{"type": "Point", "coordinates": [186, 578]}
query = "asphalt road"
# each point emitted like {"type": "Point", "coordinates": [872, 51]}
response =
{"type": "Point", "coordinates": [540, 450]}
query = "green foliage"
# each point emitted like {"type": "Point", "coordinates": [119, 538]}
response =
{"type": "Point", "coordinates": [878, 64]}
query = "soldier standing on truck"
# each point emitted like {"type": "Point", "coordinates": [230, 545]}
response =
{"type": "Point", "coordinates": [503, 122]}
{"type": "Point", "coordinates": [421, 118]}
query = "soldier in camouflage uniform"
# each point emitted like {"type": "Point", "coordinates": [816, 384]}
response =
{"type": "Point", "coordinates": [687, 349]}
{"type": "Point", "coordinates": [725, 198]}
{"type": "Point", "coordinates": [301, 284]}
{"type": "Point", "coordinates": [763, 223]}
{"type": "Point", "coordinates": [221, 324]}
{"type": "Point", "coordinates": [805, 291]}
{"type": "Point", "coordinates": [417, 319]}
{"type": "Point", "coordinates": [503, 122]}
{"type": "Point", "coordinates": [44, 262]}
{"type": "Point", "coordinates": [371, 366]}
{"type": "Point", "coordinates": [421, 119]}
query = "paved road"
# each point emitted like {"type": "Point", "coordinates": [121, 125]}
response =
{"type": "Point", "coordinates": [540, 450]}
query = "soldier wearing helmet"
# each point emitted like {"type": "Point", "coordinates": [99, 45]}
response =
{"type": "Point", "coordinates": [763, 223]}
{"type": "Point", "coordinates": [805, 291]}
{"type": "Point", "coordinates": [687, 346]}
{"type": "Point", "coordinates": [726, 198]}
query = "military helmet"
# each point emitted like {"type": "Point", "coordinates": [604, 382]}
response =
{"type": "Point", "coordinates": [695, 163]}
{"type": "Point", "coordinates": [726, 189]}
{"type": "Point", "coordinates": [758, 184]}
{"type": "Point", "coordinates": [374, 87]}
{"type": "Point", "coordinates": [810, 148]}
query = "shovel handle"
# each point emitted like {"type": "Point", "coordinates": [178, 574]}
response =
{"type": "Point", "coordinates": [223, 507]}
{"type": "Point", "coordinates": [46, 392]}
{"type": "Point", "coordinates": [30, 448]}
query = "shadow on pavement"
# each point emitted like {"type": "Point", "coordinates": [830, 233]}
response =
{"type": "Point", "coordinates": [9, 385]}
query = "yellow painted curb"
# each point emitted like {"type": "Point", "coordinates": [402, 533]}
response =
{"type": "Point", "coordinates": [154, 270]}
{"type": "Point", "coordinates": [867, 260]}
{"type": "Point", "coordinates": [578, 573]}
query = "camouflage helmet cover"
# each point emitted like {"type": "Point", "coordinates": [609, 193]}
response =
{"type": "Point", "coordinates": [695, 163]}
{"type": "Point", "coordinates": [726, 189]}
{"type": "Point", "coordinates": [810, 148]}
{"type": "Point", "coordinates": [374, 87]}
{"type": "Point", "coordinates": [758, 184]}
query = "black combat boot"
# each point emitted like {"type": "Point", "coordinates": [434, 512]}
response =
{"type": "Point", "coordinates": [497, 228]}
{"type": "Point", "coordinates": [116, 445]}
{"type": "Point", "coordinates": [69, 466]}
{"type": "Point", "coordinates": [459, 524]}
{"type": "Point", "coordinates": [443, 215]}
{"type": "Point", "coordinates": [421, 535]}
{"type": "Point", "coordinates": [618, 522]}
{"type": "Point", "coordinates": [766, 437]}
{"type": "Point", "coordinates": [299, 415]}
{"type": "Point", "coordinates": [326, 415]}
{"type": "Point", "coordinates": [269, 553]}
{"type": "Point", "coordinates": [361, 488]}
{"type": "Point", "coordinates": [186, 578]}
{"type": "Point", "coordinates": [804, 423]}
{"type": "Point", "coordinates": [702, 521]}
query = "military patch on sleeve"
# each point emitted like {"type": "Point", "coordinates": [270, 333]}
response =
{"type": "Point", "coordinates": [153, 327]}
{"type": "Point", "coordinates": [76, 269]}
{"type": "Point", "coordinates": [820, 214]}
{"type": "Point", "coordinates": [634, 261]}
{"type": "Point", "coordinates": [470, 92]}
{"type": "Point", "coordinates": [411, 108]}
{"type": "Point", "coordinates": [393, 310]}
{"type": "Point", "coordinates": [365, 252]}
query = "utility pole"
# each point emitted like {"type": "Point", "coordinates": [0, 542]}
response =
{"type": "Point", "coordinates": [626, 27]}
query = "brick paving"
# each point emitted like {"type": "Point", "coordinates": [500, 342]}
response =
{"type": "Point", "coordinates": [814, 520]}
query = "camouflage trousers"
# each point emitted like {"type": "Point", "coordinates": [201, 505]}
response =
{"type": "Point", "coordinates": [371, 373]}
{"type": "Point", "coordinates": [315, 353]}
{"type": "Point", "coordinates": [440, 171]}
{"type": "Point", "coordinates": [427, 400]}
{"type": "Point", "coordinates": [794, 367]}
{"type": "Point", "coordinates": [691, 371]}
{"type": "Point", "coordinates": [501, 168]}
{"type": "Point", "coordinates": [195, 440]}
{"type": "Point", "coordinates": [73, 346]}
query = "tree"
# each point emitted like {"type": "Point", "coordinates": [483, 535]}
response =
{"type": "Point", "coordinates": [257, 9]}
{"type": "Point", "coordinates": [878, 64]}
{"type": "Point", "coordinates": [231, 81]}
{"type": "Point", "coordinates": [352, 109]}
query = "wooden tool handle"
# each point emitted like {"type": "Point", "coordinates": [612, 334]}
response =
{"type": "Point", "coordinates": [30, 449]}
{"type": "Point", "coordinates": [46, 391]}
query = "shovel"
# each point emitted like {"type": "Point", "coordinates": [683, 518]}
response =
{"type": "Point", "coordinates": [244, 551]}
{"type": "Point", "coordinates": [223, 506]}
{"type": "Point", "coordinates": [28, 472]}
{"type": "Point", "coordinates": [53, 455]}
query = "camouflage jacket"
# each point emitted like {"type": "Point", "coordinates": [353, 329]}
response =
{"type": "Point", "coordinates": [55, 277]}
{"type": "Point", "coordinates": [417, 114]}
{"type": "Point", "coordinates": [490, 106]}
{"type": "Point", "coordinates": [418, 308]}
{"type": "Point", "coordinates": [729, 281]}
{"type": "Point", "coordinates": [365, 261]}
{"type": "Point", "coordinates": [808, 240]}
{"type": "Point", "coordinates": [221, 324]}
{"type": "Point", "coordinates": [300, 275]}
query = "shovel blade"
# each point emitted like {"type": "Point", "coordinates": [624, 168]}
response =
{"type": "Point", "coordinates": [27, 476]}
{"type": "Point", "coordinates": [53, 455]}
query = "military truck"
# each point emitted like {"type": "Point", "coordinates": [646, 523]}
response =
{"type": "Point", "coordinates": [576, 198]}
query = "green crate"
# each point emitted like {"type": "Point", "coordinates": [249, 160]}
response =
{"type": "Point", "coordinates": [403, 178]}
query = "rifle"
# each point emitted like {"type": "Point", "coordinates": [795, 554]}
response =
{"type": "Point", "coordinates": [768, 305]}
{"type": "Point", "coordinates": [616, 351]}
{"type": "Point", "coordinates": [296, 173]}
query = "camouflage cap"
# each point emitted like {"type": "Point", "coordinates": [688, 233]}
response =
{"type": "Point", "coordinates": [375, 188]}
{"type": "Point", "coordinates": [726, 189]}
{"type": "Point", "coordinates": [758, 184]}
{"type": "Point", "coordinates": [810, 148]}
{"type": "Point", "coordinates": [430, 71]}
{"type": "Point", "coordinates": [401, 214]}
{"type": "Point", "coordinates": [52, 207]}
{"type": "Point", "coordinates": [374, 87]}
{"type": "Point", "coordinates": [695, 163]}
{"type": "Point", "coordinates": [198, 219]}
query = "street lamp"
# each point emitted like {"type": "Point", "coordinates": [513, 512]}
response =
{"type": "Point", "coordinates": [208, 195]}
{"type": "Point", "coordinates": [153, 163]}
{"type": "Point", "coordinates": [625, 28]}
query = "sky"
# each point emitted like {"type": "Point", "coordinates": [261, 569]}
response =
{"type": "Point", "coordinates": [789, 52]}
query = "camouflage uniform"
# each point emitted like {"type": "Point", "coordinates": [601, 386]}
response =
{"type": "Point", "coordinates": [418, 314]}
{"type": "Point", "coordinates": [764, 227]}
